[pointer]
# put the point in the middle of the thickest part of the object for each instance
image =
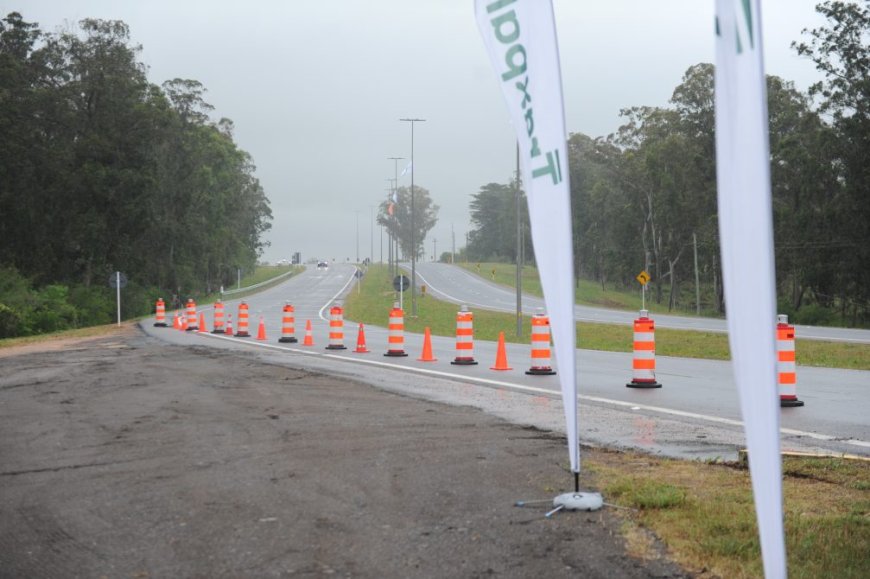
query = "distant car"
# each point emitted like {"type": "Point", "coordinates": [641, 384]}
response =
{"type": "Point", "coordinates": [322, 265]}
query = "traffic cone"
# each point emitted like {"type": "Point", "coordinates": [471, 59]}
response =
{"type": "Point", "coordinates": [501, 355]}
{"type": "Point", "coordinates": [261, 330]}
{"type": "Point", "coordinates": [427, 347]}
{"type": "Point", "coordinates": [361, 341]}
{"type": "Point", "coordinates": [202, 328]}
{"type": "Point", "coordinates": [229, 331]}
{"type": "Point", "coordinates": [176, 321]}
{"type": "Point", "coordinates": [309, 339]}
{"type": "Point", "coordinates": [183, 325]}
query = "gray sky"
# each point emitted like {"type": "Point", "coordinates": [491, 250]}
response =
{"type": "Point", "coordinates": [316, 88]}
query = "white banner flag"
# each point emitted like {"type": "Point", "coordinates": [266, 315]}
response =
{"type": "Point", "coordinates": [520, 37]}
{"type": "Point", "coordinates": [746, 232]}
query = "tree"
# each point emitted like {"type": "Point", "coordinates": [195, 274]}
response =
{"type": "Point", "coordinates": [494, 220]}
{"type": "Point", "coordinates": [841, 52]}
{"type": "Point", "coordinates": [399, 223]}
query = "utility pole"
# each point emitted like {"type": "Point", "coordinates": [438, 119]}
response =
{"type": "Point", "coordinates": [697, 280]}
{"type": "Point", "coordinates": [434, 249]}
{"type": "Point", "coordinates": [413, 233]}
{"type": "Point", "coordinates": [453, 247]}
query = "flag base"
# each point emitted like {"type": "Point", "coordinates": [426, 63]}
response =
{"type": "Point", "coordinates": [578, 501]}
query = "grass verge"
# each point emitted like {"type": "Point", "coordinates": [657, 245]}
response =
{"type": "Point", "coordinates": [372, 304]}
{"type": "Point", "coordinates": [705, 516]}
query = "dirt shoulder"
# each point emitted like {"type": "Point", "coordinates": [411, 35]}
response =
{"type": "Point", "coordinates": [123, 456]}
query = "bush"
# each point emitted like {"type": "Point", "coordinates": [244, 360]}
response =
{"type": "Point", "coordinates": [10, 322]}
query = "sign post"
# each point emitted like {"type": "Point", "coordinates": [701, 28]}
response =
{"type": "Point", "coordinates": [118, 280]}
{"type": "Point", "coordinates": [643, 277]}
{"type": "Point", "coordinates": [400, 283]}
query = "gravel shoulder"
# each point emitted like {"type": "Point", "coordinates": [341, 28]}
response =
{"type": "Point", "coordinates": [125, 456]}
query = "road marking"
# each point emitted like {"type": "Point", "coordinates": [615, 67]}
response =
{"type": "Point", "coordinates": [544, 391]}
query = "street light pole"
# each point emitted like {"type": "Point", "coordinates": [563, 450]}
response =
{"type": "Point", "coordinates": [357, 236]}
{"type": "Point", "coordinates": [413, 235]}
{"type": "Point", "coordinates": [395, 161]}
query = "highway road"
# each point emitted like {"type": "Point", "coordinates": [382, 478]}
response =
{"type": "Point", "coordinates": [454, 284]}
{"type": "Point", "coordinates": [694, 414]}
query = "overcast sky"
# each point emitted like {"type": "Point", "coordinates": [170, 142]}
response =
{"type": "Point", "coordinates": [316, 88]}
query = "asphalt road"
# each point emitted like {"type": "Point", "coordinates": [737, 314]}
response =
{"type": "Point", "coordinates": [695, 414]}
{"type": "Point", "coordinates": [454, 284]}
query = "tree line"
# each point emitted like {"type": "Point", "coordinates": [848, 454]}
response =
{"type": "Point", "coordinates": [644, 198]}
{"type": "Point", "coordinates": [100, 170]}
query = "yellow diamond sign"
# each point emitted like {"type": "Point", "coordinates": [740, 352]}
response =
{"type": "Point", "coordinates": [643, 277]}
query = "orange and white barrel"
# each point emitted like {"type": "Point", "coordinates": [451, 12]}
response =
{"type": "Point", "coordinates": [644, 360]}
{"type": "Point", "coordinates": [192, 322]}
{"type": "Point", "coordinates": [219, 326]}
{"type": "Point", "coordinates": [336, 328]}
{"type": "Point", "coordinates": [242, 322]}
{"type": "Point", "coordinates": [464, 338]}
{"type": "Point", "coordinates": [160, 313]}
{"type": "Point", "coordinates": [396, 332]}
{"type": "Point", "coordinates": [288, 325]}
{"type": "Point", "coordinates": [786, 371]}
{"type": "Point", "coordinates": [541, 357]}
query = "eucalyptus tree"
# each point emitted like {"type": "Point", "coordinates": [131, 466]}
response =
{"type": "Point", "coordinates": [399, 223]}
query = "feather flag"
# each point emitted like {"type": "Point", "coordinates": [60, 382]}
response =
{"type": "Point", "coordinates": [746, 233]}
{"type": "Point", "coordinates": [520, 38]}
{"type": "Point", "coordinates": [407, 168]}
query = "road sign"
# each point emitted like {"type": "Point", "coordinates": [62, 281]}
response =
{"type": "Point", "coordinates": [401, 283]}
{"type": "Point", "coordinates": [643, 277]}
{"type": "Point", "coordinates": [117, 279]}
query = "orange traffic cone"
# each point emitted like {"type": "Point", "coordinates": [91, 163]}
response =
{"type": "Point", "coordinates": [229, 331]}
{"type": "Point", "coordinates": [176, 321]}
{"type": "Point", "coordinates": [361, 341]}
{"type": "Point", "coordinates": [261, 331]}
{"type": "Point", "coordinates": [183, 325]}
{"type": "Point", "coordinates": [501, 355]}
{"type": "Point", "coordinates": [427, 347]}
{"type": "Point", "coordinates": [202, 328]}
{"type": "Point", "coordinates": [309, 339]}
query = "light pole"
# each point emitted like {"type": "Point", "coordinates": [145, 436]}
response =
{"type": "Point", "coordinates": [413, 240]}
{"type": "Point", "coordinates": [357, 236]}
{"type": "Point", "coordinates": [395, 237]}
{"type": "Point", "coordinates": [434, 249]}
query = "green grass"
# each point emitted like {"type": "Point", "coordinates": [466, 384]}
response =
{"type": "Point", "coordinates": [705, 513]}
{"type": "Point", "coordinates": [587, 293]}
{"type": "Point", "coordinates": [376, 296]}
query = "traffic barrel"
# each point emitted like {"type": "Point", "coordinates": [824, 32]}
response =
{"type": "Point", "coordinates": [192, 323]}
{"type": "Point", "coordinates": [242, 321]}
{"type": "Point", "coordinates": [786, 371]}
{"type": "Point", "coordinates": [644, 361]}
{"type": "Point", "coordinates": [541, 358]}
{"type": "Point", "coordinates": [464, 338]}
{"type": "Point", "coordinates": [219, 318]}
{"type": "Point", "coordinates": [396, 332]}
{"type": "Point", "coordinates": [288, 325]}
{"type": "Point", "coordinates": [336, 328]}
{"type": "Point", "coordinates": [160, 313]}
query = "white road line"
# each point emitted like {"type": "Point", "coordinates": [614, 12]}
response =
{"type": "Point", "coordinates": [543, 391]}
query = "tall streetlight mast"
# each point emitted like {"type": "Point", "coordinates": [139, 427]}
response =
{"type": "Point", "coordinates": [395, 252]}
{"type": "Point", "coordinates": [413, 233]}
